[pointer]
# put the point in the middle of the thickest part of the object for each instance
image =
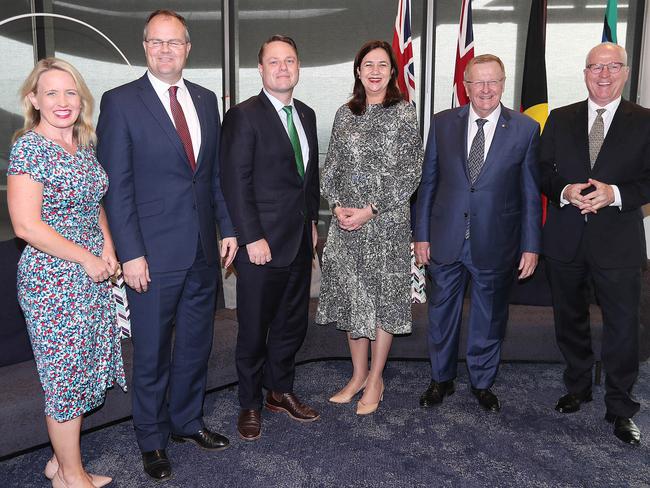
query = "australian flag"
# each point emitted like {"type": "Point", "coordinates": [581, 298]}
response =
{"type": "Point", "coordinates": [464, 52]}
{"type": "Point", "coordinates": [404, 51]}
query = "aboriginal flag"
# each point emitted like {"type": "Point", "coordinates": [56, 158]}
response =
{"type": "Point", "coordinates": [534, 94]}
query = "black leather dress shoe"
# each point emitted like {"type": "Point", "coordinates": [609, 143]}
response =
{"type": "Point", "coordinates": [625, 429]}
{"type": "Point", "coordinates": [570, 402]}
{"type": "Point", "coordinates": [156, 464]}
{"type": "Point", "coordinates": [205, 439]}
{"type": "Point", "coordinates": [487, 399]}
{"type": "Point", "coordinates": [434, 394]}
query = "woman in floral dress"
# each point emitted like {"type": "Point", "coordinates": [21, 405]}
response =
{"type": "Point", "coordinates": [372, 168]}
{"type": "Point", "coordinates": [54, 190]}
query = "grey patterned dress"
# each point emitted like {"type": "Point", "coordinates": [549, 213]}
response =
{"type": "Point", "coordinates": [374, 158]}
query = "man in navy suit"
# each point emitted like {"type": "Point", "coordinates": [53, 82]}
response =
{"type": "Point", "coordinates": [159, 142]}
{"type": "Point", "coordinates": [595, 163]}
{"type": "Point", "coordinates": [478, 219]}
{"type": "Point", "coordinates": [269, 159]}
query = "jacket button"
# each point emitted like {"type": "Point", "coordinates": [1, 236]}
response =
{"type": "Point", "coordinates": [194, 206]}
{"type": "Point", "coordinates": [465, 215]}
{"type": "Point", "coordinates": [472, 189]}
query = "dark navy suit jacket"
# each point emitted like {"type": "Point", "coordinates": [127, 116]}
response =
{"type": "Point", "coordinates": [156, 206]}
{"type": "Point", "coordinates": [266, 196]}
{"type": "Point", "coordinates": [503, 204]}
{"type": "Point", "coordinates": [616, 238]}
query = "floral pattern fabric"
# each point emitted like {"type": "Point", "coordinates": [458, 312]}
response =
{"type": "Point", "coordinates": [374, 158]}
{"type": "Point", "coordinates": [71, 319]}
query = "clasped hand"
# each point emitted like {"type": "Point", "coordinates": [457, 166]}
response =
{"type": "Point", "coordinates": [100, 268]}
{"type": "Point", "coordinates": [351, 218]}
{"type": "Point", "coordinates": [601, 196]}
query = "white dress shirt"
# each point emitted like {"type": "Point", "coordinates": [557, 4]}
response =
{"type": "Point", "coordinates": [488, 128]}
{"type": "Point", "coordinates": [278, 105]}
{"type": "Point", "coordinates": [608, 116]}
{"type": "Point", "coordinates": [185, 99]}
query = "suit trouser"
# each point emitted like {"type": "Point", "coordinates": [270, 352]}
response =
{"type": "Point", "coordinates": [488, 318]}
{"type": "Point", "coordinates": [169, 386]}
{"type": "Point", "coordinates": [618, 291]}
{"type": "Point", "coordinates": [272, 311]}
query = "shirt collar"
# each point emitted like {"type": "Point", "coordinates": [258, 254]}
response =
{"type": "Point", "coordinates": [160, 87]}
{"type": "Point", "coordinates": [610, 107]}
{"type": "Point", "coordinates": [492, 118]}
{"type": "Point", "coordinates": [277, 104]}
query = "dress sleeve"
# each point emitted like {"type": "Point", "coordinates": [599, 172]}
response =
{"type": "Point", "coordinates": [400, 180]}
{"type": "Point", "coordinates": [26, 158]}
{"type": "Point", "coordinates": [328, 178]}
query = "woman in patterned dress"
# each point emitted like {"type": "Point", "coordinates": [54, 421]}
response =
{"type": "Point", "coordinates": [372, 168]}
{"type": "Point", "coordinates": [54, 189]}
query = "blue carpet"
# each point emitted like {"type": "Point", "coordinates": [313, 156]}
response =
{"type": "Point", "coordinates": [456, 444]}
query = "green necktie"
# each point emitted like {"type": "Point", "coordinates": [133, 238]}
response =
{"type": "Point", "coordinates": [295, 140]}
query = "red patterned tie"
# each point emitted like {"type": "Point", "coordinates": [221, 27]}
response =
{"type": "Point", "coordinates": [181, 126]}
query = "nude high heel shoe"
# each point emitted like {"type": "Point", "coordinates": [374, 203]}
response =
{"type": "Point", "coordinates": [52, 467]}
{"type": "Point", "coordinates": [57, 481]}
{"type": "Point", "coordinates": [340, 397]}
{"type": "Point", "coordinates": [368, 408]}
{"type": "Point", "coordinates": [99, 480]}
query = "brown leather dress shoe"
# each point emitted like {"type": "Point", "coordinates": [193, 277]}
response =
{"type": "Point", "coordinates": [288, 403]}
{"type": "Point", "coordinates": [249, 424]}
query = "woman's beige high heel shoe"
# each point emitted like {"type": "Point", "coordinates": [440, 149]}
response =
{"type": "Point", "coordinates": [340, 397]}
{"type": "Point", "coordinates": [57, 481]}
{"type": "Point", "coordinates": [368, 408]}
{"type": "Point", "coordinates": [52, 467]}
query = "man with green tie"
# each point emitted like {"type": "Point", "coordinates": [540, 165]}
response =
{"type": "Point", "coordinates": [269, 174]}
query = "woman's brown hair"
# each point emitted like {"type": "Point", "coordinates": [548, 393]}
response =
{"type": "Point", "coordinates": [357, 103]}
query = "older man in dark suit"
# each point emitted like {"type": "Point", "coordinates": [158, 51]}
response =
{"type": "Point", "coordinates": [478, 219]}
{"type": "Point", "coordinates": [269, 164]}
{"type": "Point", "coordinates": [595, 159]}
{"type": "Point", "coordinates": [158, 141]}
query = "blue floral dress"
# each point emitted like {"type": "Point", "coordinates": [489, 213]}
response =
{"type": "Point", "coordinates": [71, 320]}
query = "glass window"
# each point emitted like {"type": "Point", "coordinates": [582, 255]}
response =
{"type": "Point", "coordinates": [500, 27]}
{"type": "Point", "coordinates": [102, 65]}
{"type": "Point", "coordinates": [17, 60]}
{"type": "Point", "coordinates": [328, 35]}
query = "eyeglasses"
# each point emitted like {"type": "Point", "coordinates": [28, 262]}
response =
{"type": "Point", "coordinates": [483, 84]}
{"type": "Point", "coordinates": [597, 68]}
{"type": "Point", "coordinates": [159, 43]}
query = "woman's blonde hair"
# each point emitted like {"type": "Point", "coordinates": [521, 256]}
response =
{"type": "Point", "coordinates": [83, 130]}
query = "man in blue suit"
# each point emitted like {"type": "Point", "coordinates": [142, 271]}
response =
{"type": "Point", "coordinates": [159, 143]}
{"type": "Point", "coordinates": [478, 219]}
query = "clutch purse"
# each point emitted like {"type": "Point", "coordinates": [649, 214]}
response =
{"type": "Point", "coordinates": [418, 280]}
{"type": "Point", "coordinates": [121, 304]}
